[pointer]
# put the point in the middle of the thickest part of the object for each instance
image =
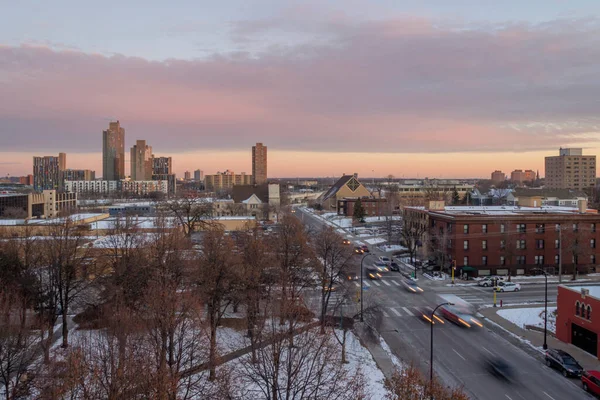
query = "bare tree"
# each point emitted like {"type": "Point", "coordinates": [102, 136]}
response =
{"type": "Point", "coordinates": [413, 231]}
{"type": "Point", "coordinates": [410, 384]}
{"type": "Point", "coordinates": [191, 213]}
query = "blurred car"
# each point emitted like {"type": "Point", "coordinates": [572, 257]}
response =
{"type": "Point", "coordinates": [564, 362]}
{"type": "Point", "coordinates": [507, 287]}
{"type": "Point", "coordinates": [358, 250]}
{"type": "Point", "coordinates": [425, 313]}
{"type": "Point", "coordinates": [333, 288]}
{"type": "Point", "coordinates": [461, 315]}
{"type": "Point", "coordinates": [365, 248]}
{"type": "Point", "coordinates": [394, 266]}
{"type": "Point", "coordinates": [591, 382]}
{"type": "Point", "coordinates": [373, 273]}
{"type": "Point", "coordinates": [411, 286]}
{"type": "Point", "coordinates": [381, 267]}
{"type": "Point", "coordinates": [498, 367]}
{"type": "Point", "coordinates": [353, 277]}
{"type": "Point", "coordinates": [345, 241]}
{"type": "Point", "coordinates": [385, 260]}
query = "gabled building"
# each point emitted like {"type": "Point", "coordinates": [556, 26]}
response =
{"type": "Point", "coordinates": [346, 186]}
{"type": "Point", "coordinates": [261, 201]}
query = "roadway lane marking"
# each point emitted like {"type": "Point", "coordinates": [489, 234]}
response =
{"type": "Point", "coordinates": [357, 284]}
{"type": "Point", "coordinates": [508, 397]}
{"type": "Point", "coordinates": [395, 283]}
{"type": "Point", "coordinates": [366, 284]}
{"type": "Point", "coordinates": [386, 282]}
{"type": "Point", "coordinates": [386, 314]}
{"type": "Point", "coordinates": [458, 354]}
{"type": "Point", "coordinates": [396, 312]}
{"type": "Point", "coordinates": [548, 395]}
{"type": "Point", "coordinates": [487, 350]}
{"type": "Point", "coordinates": [407, 311]}
{"type": "Point", "coordinates": [376, 283]}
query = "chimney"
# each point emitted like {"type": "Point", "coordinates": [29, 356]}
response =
{"type": "Point", "coordinates": [582, 205]}
{"type": "Point", "coordinates": [585, 292]}
{"type": "Point", "coordinates": [355, 175]}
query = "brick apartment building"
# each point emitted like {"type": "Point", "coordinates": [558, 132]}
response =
{"type": "Point", "coordinates": [373, 206]}
{"type": "Point", "coordinates": [511, 239]}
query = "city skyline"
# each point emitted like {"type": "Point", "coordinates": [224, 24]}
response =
{"type": "Point", "coordinates": [457, 86]}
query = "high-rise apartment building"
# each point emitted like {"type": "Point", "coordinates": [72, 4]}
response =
{"type": "Point", "coordinates": [570, 170]}
{"type": "Point", "coordinates": [198, 175]}
{"type": "Point", "coordinates": [47, 172]}
{"type": "Point", "coordinates": [498, 176]}
{"type": "Point", "coordinates": [187, 176]}
{"type": "Point", "coordinates": [78, 175]}
{"type": "Point", "coordinates": [259, 164]}
{"type": "Point", "coordinates": [226, 180]}
{"type": "Point", "coordinates": [141, 161]}
{"type": "Point", "coordinates": [519, 176]}
{"type": "Point", "coordinates": [162, 170]}
{"type": "Point", "coordinates": [113, 152]}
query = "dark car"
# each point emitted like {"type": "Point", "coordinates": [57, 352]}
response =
{"type": "Point", "coordinates": [564, 362]}
{"type": "Point", "coordinates": [591, 382]}
{"type": "Point", "coordinates": [358, 250]}
{"type": "Point", "coordinates": [394, 266]}
{"type": "Point", "coordinates": [499, 368]}
{"type": "Point", "coordinates": [365, 248]}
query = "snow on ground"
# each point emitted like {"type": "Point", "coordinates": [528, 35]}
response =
{"type": "Point", "coordinates": [393, 357]}
{"type": "Point", "coordinates": [229, 339]}
{"type": "Point", "coordinates": [375, 240]}
{"type": "Point", "coordinates": [359, 356]}
{"type": "Point", "coordinates": [530, 316]}
{"type": "Point", "coordinates": [392, 247]}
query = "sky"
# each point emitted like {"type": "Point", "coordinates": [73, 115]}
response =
{"type": "Point", "coordinates": [413, 89]}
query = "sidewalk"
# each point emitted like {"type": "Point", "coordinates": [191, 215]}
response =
{"type": "Point", "coordinates": [536, 339]}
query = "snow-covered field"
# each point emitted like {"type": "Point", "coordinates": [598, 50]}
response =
{"type": "Point", "coordinates": [530, 316]}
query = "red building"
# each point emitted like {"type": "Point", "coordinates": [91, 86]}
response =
{"type": "Point", "coordinates": [576, 322]}
{"type": "Point", "coordinates": [373, 207]}
{"type": "Point", "coordinates": [511, 239]}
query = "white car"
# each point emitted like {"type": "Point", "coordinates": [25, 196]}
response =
{"type": "Point", "coordinates": [385, 260]}
{"type": "Point", "coordinates": [507, 287]}
{"type": "Point", "coordinates": [489, 281]}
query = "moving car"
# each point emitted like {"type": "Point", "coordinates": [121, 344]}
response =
{"type": "Point", "coordinates": [381, 267]}
{"type": "Point", "coordinates": [365, 248]}
{"type": "Point", "coordinates": [425, 313]}
{"type": "Point", "coordinates": [358, 250]}
{"type": "Point", "coordinates": [564, 362]}
{"type": "Point", "coordinates": [373, 273]}
{"type": "Point", "coordinates": [461, 315]}
{"type": "Point", "coordinates": [411, 286]}
{"type": "Point", "coordinates": [498, 367]}
{"type": "Point", "coordinates": [345, 241]}
{"type": "Point", "coordinates": [394, 266]}
{"type": "Point", "coordinates": [385, 259]}
{"type": "Point", "coordinates": [353, 277]}
{"type": "Point", "coordinates": [591, 382]}
{"type": "Point", "coordinates": [507, 287]}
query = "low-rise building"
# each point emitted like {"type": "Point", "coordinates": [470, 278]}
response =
{"type": "Point", "coordinates": [576, 321]}
{"type": "Point", "coordinates": [346, 186]}
{"type": "Point", "coordinates": [48, 204]}
{"type": "Point", "coordinates": [519, 176]}
{"type": "Point", "coordinates": [372, 206]}
{"type": "Point", "coordinates": [547, 197]}
{"type": "Point", "coordinates": [226, 180]}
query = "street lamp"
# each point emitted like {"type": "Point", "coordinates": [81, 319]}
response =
{"type": "Point", "coordinates": [545, 346]}
{"type": "Point", "coordinates": [361, 285]}
{"type": "Point", "coordinates": [431, 349]}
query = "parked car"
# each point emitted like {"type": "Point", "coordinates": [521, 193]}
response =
{"type": "Point", "coordinates": [564, 362]}
{"type": "Point", "coordinates": [591, 382]}
{"type": "Point", "coordinates": [385, 260]}
{"type": "Point", "coordinates": [507, 287]}
{"type": "Point", "coordinates": [373, 273]}
{"type": "Point", "coordinates": [358, 250]}
{"type": "Point", "coordinates": [394, 266]}
{"type": "Point", "coordinates": [490, 280]}
{"type": "Point", "coordinates": [365, 248]}
{"type": "Point", "coordinates": [411, 286]}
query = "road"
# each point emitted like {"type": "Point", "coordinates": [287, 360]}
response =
{"type": "Point", "coordinates": [459, 351]}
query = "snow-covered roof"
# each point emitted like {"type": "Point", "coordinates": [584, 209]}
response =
{"type": "Point", "coordinates": [12, 222]}
{"type": "Point", "coordinates": [594, 290]}
{"type": "Point", "coordinates": [74, 218]}
{"type": "Point", "coordinates": [137, 222]}
{"type": "Point", "coordinates": [505, 210]}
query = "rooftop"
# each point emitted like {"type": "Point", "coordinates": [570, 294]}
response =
{"type": "Point", "coordinates": [594, 290]}
{"type": "Point", "coordinates": [507, 210]}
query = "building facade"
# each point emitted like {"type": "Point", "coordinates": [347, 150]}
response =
{"type": "Point", "coordinates": [47, 172]}
{"type": "Point", "coordinates": [26, 180]}
{"type": "Point", "coordinates": [102, 187]}
{"type": "Point", "coordinates": [259, 164]}
{"type": "Point", "coordinates": [187, 176]}
{"type": "Point", "coordinates": [519, 176]}
{"type": "Point", "coordinates": [226, 180]}
{"type": "Point", "coordinates": [576, 317]}
{"type": "Point", "coordinates": [145, 187]}
{"type": "Point", "coordinates": [198, 175]}
{"type": "Point", "coordinates": [141, 161]}
{"type": "Point", "coordinates": [571, 170]}
{"type": "Point", "coordinates": [498, 176]}
{"type": "Point", "coordinates": [508, 239]}
{"type": "Point", "coordinates": [48, 204]}
{"type": "Point", "coordinates": [162, 170]}
{"type": "Point", "coordinates": [78, 175]}
{"type": "Point", "coordinates": [113, 152]}
{"type": "Point", "coordinates": [373, 207]}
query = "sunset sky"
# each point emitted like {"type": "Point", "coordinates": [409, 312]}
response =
{"type": "Point", "coordinates": [432, 88]}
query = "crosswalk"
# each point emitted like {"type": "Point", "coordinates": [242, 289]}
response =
{"type": "Point", "coordinates": [400, 312]}
{"type": "Point", "coordinates": [377, 283]}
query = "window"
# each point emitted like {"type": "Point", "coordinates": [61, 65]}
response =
{"type": "Point", "coordinates": [465, 261]}
{"type": "Point", "coordinates": [484, 244]}
{"type": "Point", "coordinates": [484, 228]}
{"type": "Point", "coordinates": [539, 244]}
{"type": "Point", "coordinates": [502, 228]}
{"type": "Point", "coordinates": [503, 244]}
{"type": "Point", "coordinates": [557, 244]}
{"type": "Point", "coordinates": [502, 260]}
{"type": "Point", "coordinates": [557, 227]}
{"type": "Point", "coordinates": [593, 259]}
{"type": "Point", "coordinates": [589, 312]}
{"type": "Point", "coordinates": [521, 260]}
{"type": "Point", "coordinates": [465, 228]}
{"type": "Point", "coordinates": [540, 228]}
{"type": "Point", "coordinates": [521, 228]}
{"type": "Point", "coordinates": [521, 244]}
{"type": "Point", "coordinates": [593, 243]}
{"type": "Point", "coordinates": [556, 259]}
{"type": "Point", "coordinates": [593, 228]}
{"type": "Point", "coordinates": [466, 245]}
{"type": "Point", "coordinates": [577, 308]}
{"type": "Point", "coordinates": [484, 260]}
{"type": "Point", "coordinates": [575, 227]}
{"type": "Point", "coordinates": [539, 260]}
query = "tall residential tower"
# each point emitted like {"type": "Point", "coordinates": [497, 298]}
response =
{"type": "Point", "coordinates": [259, 164]}
{"type": "Point", "coordinates": [571, 170]}
{"type": "Point", "coordinates": [48, 171]}
{"type": "Point", "coordinates": [113, 152]}
{"type": "Point", "coordinates": [141, 161]}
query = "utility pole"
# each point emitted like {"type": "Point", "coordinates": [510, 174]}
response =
{"type": "Point", "coordinates": [559, 253]}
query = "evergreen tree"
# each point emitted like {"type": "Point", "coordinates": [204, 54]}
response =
{"type": "Point", "coordinates": [359, 211]}
{"type": "Point", "coordinates": [455, 196]}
